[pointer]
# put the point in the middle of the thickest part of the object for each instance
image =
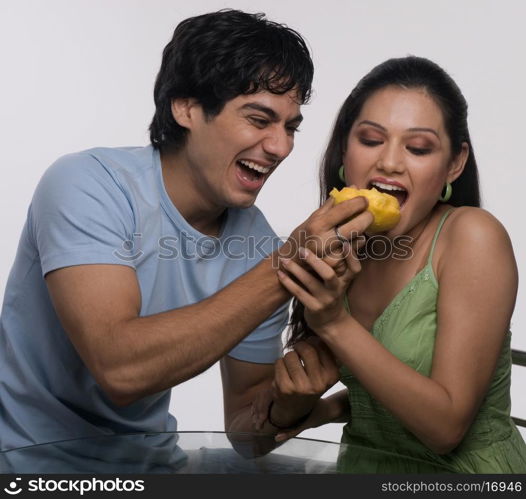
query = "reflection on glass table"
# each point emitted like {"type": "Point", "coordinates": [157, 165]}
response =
{"type": "Point", "coordinates": [182, 452]}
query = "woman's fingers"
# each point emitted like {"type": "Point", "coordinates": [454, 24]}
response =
{"type": "Point", "coordinates": [282, 380]}
{"type": "Point", "coordinates": [352, 260]}
{"type": "Point", "coordinates": [296, 290]}
{"type": "Point", "coordinates": [325, 271]}
{"type": "Point", "coordinates": [327, 358]}
{"type": "Point", "coordinates": [295, 371]}
{"type": "Point", "coordinates": [285, 435]}
{"type": "Point", "coordinates": [259, 408]}
{"type": "Point", "coordinates": [310, 281]}
{"type": "Point", "coordinates": [311, 364]}
{"type": "Point", "coordinates": [311, 422]}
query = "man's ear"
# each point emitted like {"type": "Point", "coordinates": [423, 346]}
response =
{"type": "Point", "coordinates": [459, 162]}
{"type": "Point", "coordinates": [183, 111]}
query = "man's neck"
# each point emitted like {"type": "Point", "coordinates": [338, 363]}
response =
{"type": "Point", "coordinates": [186, 195]}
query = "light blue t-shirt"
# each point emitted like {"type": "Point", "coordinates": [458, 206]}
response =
{"type": "Point", "coordinates": [110, 206]}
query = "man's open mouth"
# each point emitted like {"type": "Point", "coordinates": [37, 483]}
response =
{"type": "Point", "coordinates": [252, 171]}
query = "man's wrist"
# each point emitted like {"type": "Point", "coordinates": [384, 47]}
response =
{"type": "Point", "coordinates": [280, 426]}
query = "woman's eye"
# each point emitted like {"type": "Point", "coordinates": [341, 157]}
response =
{"type": "Point", "coordinates": [370, 142]}
{"type": "Point", "coordinates": [419, 151]}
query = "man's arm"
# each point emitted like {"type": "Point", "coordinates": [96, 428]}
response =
{"type": "Point", "coordinates": [294, 385]}
{"type": "Point", "coordinates": [132, 356]}
{"type": "Point", "coordinates": [243, 382]}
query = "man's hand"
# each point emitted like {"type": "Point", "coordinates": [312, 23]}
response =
{"type": "Point", "coordinates": [318, 233]}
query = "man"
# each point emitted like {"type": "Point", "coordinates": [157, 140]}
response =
{"type": "Point", "coordinates": [135, 271]}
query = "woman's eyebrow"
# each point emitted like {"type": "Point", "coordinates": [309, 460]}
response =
{"type": "Point", "coordinates": [412, 129]}
{"type": "Point", "coordinates": [423, 129]}
{"type": "Point", "coordinates": [373, 123]}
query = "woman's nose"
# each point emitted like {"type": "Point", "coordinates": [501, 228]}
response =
{"type": "Point", "coordinates": [391, 159]}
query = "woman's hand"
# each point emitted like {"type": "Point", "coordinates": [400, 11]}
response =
{"type": "Point", "coordinates": [321, 289]}
{"type": "Point", "coordinates": [301, 377]}
{"type": "Point", "coordinates": [332, 409]}
{"type": "Point", "coordinates": [317, 417]}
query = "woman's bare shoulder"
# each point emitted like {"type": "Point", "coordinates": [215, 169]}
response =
{"type": "Point", "coordinates": [473, 236]}
{"type": "Point", "coordinates": [468, 224]}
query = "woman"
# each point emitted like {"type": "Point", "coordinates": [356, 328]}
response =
{"type": "Point", "coordinates": [421, 335]}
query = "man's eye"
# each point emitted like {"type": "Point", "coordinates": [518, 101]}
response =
{"type": "Point", "coordinates": [418, 151]}
{"type": "Point", "coordinates": [292, 130]}
{"type": "Point", "coordinates": [259, 122]}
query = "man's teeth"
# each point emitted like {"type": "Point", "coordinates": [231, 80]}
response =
{"type": "Point", "coordinates": [387, 187]}
{"type": "Point", "coordinates": [255, 166]}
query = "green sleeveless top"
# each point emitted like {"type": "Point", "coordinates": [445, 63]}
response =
{"type": "Point", "coordinates": [381, 444]}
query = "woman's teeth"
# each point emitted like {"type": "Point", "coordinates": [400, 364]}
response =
{"type": "Point", "coordinates": [254, 166]}
{"type": "Point", "coordinates": [387, 187]}
{"type": "Point", "coordinates": [398, 192]}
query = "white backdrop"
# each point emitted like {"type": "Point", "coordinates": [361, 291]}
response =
{"type": "Point", "coordinates": [80, 73]}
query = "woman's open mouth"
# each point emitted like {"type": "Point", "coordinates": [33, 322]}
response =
{"type": "Point", "coordinates": [399, 192]}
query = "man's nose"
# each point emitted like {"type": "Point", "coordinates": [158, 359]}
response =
{"type": "Point", "coordinates": [278, 143]}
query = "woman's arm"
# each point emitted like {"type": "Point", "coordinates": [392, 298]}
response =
{"type": "Point", "coordinates": [332, 409]}
{"type": "Point", "coordinates": [477, 275]}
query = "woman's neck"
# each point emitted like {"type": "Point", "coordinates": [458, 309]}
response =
{"type": "Point", "coordinates": [382, 251]}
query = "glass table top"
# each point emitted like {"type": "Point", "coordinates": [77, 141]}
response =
{"type": "Point", "coordinates": [175, 452]}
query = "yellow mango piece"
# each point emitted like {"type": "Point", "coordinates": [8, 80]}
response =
{"type": "Point", "coordinates": [384, 207]}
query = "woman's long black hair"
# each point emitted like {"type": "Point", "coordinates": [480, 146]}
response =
{"type": "Point", "coordinates": [406, 72]}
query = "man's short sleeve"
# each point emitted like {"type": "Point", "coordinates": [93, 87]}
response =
{"type": "Point", "coordinates": [264, 344]}
{"type": "Point", "coordinates": [80, 215]}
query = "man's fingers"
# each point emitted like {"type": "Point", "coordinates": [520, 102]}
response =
{"type": "Point", "coordinates": [326, 206]}
{"type": "Point", "coordinates": [323, 240]}
{"type": "Point", "coordinates": [346, 210]}
{"type": "Point", "coordinates": [355, 228]}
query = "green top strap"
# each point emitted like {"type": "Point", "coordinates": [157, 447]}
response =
{"type": "Point", "coordinates": [439, 228]}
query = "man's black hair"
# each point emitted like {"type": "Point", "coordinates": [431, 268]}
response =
{"type": "Point", "coordinates": [217, 56]}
